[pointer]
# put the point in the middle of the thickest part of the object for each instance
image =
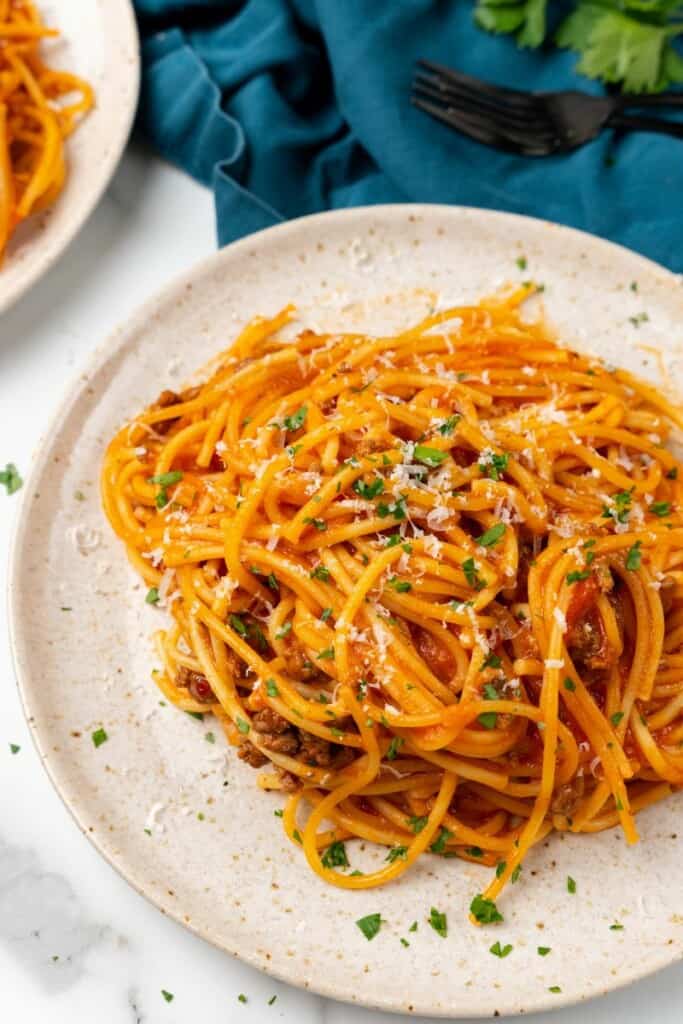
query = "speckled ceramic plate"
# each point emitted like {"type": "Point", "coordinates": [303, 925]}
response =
{"type": "Point", "coordinates": [98, 40]}
{"type": "Point", "coordinates": [81, 640]}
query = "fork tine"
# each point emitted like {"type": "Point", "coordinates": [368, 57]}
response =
{"type": "Point", "coordinates": [468, 99]}
{"type": "Point", "coordinates": [498, 121]}
{"type": "Point", "coordinates": [499, 93]}
{"type": "Point", "coordinates": [480, 131]}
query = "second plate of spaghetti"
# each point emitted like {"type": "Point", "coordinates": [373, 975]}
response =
{"type": "Point", "coordinates": [400, 643]}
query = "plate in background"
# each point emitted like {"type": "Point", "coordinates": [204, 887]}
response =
{"type": "Point", "coordinates": [98, 41]}
{"type": "Point", "coordinates": [231, 876]}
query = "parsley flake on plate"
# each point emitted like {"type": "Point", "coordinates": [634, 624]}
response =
{"type": "Point", "coordinates": [370, 925]}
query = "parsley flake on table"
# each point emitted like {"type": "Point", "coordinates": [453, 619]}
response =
{"type": "Point", "coordinates": [370, 925]}
{"type": "Point", "coordinates": [152, 596]}
{"type": "Point", "coordinates": [438, 922]}
{"type": "Point", "coordinates": [543, 950]}
{"type": "Point", "coordinates": [571, 885]}
{"type": "Point", "coordinates": [9, 476]}
{"type": "Point", "coordinates": [14, 748]}
{"type": "Point", "coordinates": [168, 996]}
{"type": "Point", "coordinates": [485, 911]}
{"type": "Point", "coordinates": [99, 737]}
{"type": "Point", "coordinates": [335, 856]}
{"type": "Point", "coordinates": [500, 951]}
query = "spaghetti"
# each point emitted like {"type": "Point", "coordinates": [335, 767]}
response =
{"type": "Point", "coordinates": [39, 108]}
{"type": "Point", "coordinates": [434, 580]}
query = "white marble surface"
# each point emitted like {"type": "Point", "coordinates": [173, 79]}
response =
{"type": "Point", "coordinates": [77, 945]}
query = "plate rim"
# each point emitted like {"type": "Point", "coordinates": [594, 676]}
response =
{"type": "Point", "coordinates": [110, 348]}
{"type": "Point", "coordinates": [44, 260]}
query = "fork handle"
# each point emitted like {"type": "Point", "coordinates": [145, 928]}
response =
{"type": "Point", "coordinates": [646, 124]}
{"type": "Point", "coordinates": [658, 99]}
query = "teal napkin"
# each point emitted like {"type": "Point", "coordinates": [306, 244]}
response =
{"type": "Point", "coordinates": [287, 107]}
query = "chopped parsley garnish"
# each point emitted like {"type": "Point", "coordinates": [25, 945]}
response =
{"type": "Point", "coordinates": [14, 748]}
{"type": "Point", "coordinates": [199, 715]}
{"type": "Point", "coordinates": [495, 467]}
{"type": "Point", "coordinates": [616, 927]}
{"type": "Point", "coordinates": [638, 319]}
{"type": "Point", "coordinates": [394, 747]}
{"type": "Point", "coordinates": [168, 996]}
{"type": "Point", "coordinates": [417, 824]}
{"type": "Point", "coordinates": [413, 927]}
{"type": "Point", "coordinates": [152, 596]}
{"type": "Point", "coordinates": [543, 950]}
{"type": "Point", "coordinates": [616, 717]}
{"type": "Point", "coordinates": [484, 911]}
{"type": "Point", "coordinates": [335, 856]}
{"type": "Point", "coordinates": [238, 625]}
{"type": "Point", "coordinates": [319, 524]}
{"type": "Point", "coordinates": [621, 509]}
{"type": "Point", "coordinates": [99, 737]}
{"type": "Point", "coordinates": [569, 684]}
{"type": "Point", "coordinates": [321, 572]}
{"type": "Point", "coordinates": [491, 536]}
{"type": "Point", "coordinates": [397, 853]}
{"type": "Point", "coordinates": [574, 577]}
{"type": "Point", "coordinates": [449, 425]}
{"type": "Point", "coordinates": [500, 951]}
{"type": "Point", "coordinates": [439, 844]}
{"type": "Point", "coordinates": [325, 614]}
{"type": "Point", "coordinates": [489, 719]}
{"type": "Point", "coordinates": [209, 737]}
{"type": "Point", "coordinates": [293, 449]}
{"type": "Point", "coordinates": [474, 851]}
{"type": "Point", "coordinates": [514, 877]}
{"type": "Point", "coordinates": [397, 509]}
{"type": "Point", "coordinates": [242, 998]}
{"type": "Point", "coordinates": [296, 420]}
{"type": "Point", "coordinates": [521, 262]}
{"type": "Point", "coordinates": [555, 989]}
{"type": "Point", "coordinates": [400, 586]}
{"type": "Point", "coordinates": [243, 726]}
{"type": "Point", "coordinates": [633, 557]}
{"type": "Point", "coordinates": [470, 570]}
{"type": "Point", "coordinates": [284, 630]}
{"type": "Point", "coordinates": [438, 922]}
{"type": "Point", "coordinates": [500, 868]}
{"type": "Point", "coordinates": [370, 925]}
{"type": "Point", "coordinates": [297, 836]}
{"type": "Point", "coordinates": [327, 654]}
{"type": "Point", "coordinates": [491, 661]}
{"type": "Point", "coordinates": [271, 688]}
{"type": "Point", "coordinates": [404, 942]}
{"type": "Point", "coordinates": [369, 491]}
{"type": "Point", "coordinates": [278, 813]}
{"type": "Point", "coordinates": [429, 456]}
{"type": "Point", "coordinates": [174, 476]}
{"type": "Point", "coordinates": [9, 476]}
{"type": "Point", "coordinates": [660, 508]}
{"type": "Point", "coordinates": [571, 885]}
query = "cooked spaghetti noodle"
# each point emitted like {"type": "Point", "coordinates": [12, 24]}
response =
{"type": "Point", "coordinates": [39, 108]}
{"type": "Point", "coordinates": [434, 580]}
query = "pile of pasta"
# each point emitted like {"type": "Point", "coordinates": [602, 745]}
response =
{"type": "Point", "coordinates": [39, 108]}
{"type": "Point", "coordinates": [433, 582]}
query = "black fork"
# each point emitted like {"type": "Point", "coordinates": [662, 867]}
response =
{"type": "Point", "coordinates": [532, 123]}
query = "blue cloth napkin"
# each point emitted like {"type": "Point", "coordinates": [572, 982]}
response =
{"type": "Point", "coordinates": [287, 107]}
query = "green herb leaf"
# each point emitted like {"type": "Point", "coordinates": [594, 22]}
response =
{"type": "Point", "coordinates": [394, 747]}
{"type": "Point", "coordinates": [526, 18]}
{"type": "Point", "coordinates": [439, 844]}
{"type": "Point", "coordinates": [448, 426]}
{"type": "Point", "coordinates": [321, 572]}
{"type": "Point", "coordinates": [616, 927]}
{"type": "Point", "coordinates": [495, 466]}
{"type": "Point", "coordinates": [571, 885]}
{"type": "Point", "coordinates": [368, 491]}
{"type": "Point", "coordinates": [438, 922]}
{"type": "Point", "coordinates": [488, 719]}
{"type": "Point", "coordinates": [574, 577]}
{"type": "Point", "coordinates": [271, 688]}
{"type": "Point", "coordinates": [397, 509]}
{"type": "Point", "coordinates": [470, 570]}
{"type": "Point", "coordinates": [174, 476]}
{"type": "Point", "coordinates": [634, 556]}
{"type": "Point", "coordinates": [327, 654]}
{"type": "Point", "coordinates": [569, 684]}
{"type": "Point", "coordinates": [554, 989]}
{"type": "Point", "coordinates": [370, 925]}
{"type": "Point", "coordinates": [491, 536]}
{"type": "Point", "coordinates": [99, 737]}
{"type": "Point", "coordinates": [168, 996]}
{"type": "Point", "coordinates": [616, 718]}
{"type": "Point", "coordinates": [209, 737]}
{"type": "Point", "coordinates": [397, 853]}
{"type": "Point", "coordinates": [400, 586]}
{"type": "Point", "coordinates": [9, 476]}
{"type": "Point", "coordinates": [429, 456]}
{"type": "Point", "coordinates": [319, 524]}
{"type": "Point", "coordinates": [335, 856]}
{"type": "Point", "coordinates": [417, 824]}
{"type": "Point", "coordinates": [243, 726]}
{"type": "Point", "coordinates": [237, 624]}
{"type": "Point", "coordinates": [152, 596]}
{"type": "Point", "coordinates": [543, 950]}
{"type": "Point", "coordinates": [660, 508]}
{"type": "Point", "coordinates": [491, 661]}
{"type": "Point", "coordinates": [14, 748]}
{"type": "Point", "coordinates": [284, 631]}
{"type": "Point", "coordinates": [296, 420]}
{"type": "Point", "coordinates": [500, 951]}
{"type": "Point", "coordinates": [484, 911]}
